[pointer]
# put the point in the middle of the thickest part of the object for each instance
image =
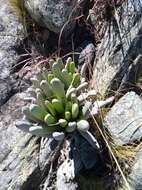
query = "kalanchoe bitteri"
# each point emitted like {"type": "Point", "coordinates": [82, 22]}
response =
{"type": "Point", "coordinates": [61, 103]}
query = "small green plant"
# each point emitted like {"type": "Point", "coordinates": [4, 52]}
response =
{"type": "Point", "coordinates": [60, 103]}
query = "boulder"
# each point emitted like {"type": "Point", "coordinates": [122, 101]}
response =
{"type": "Point", "coordinates": [47, 146]}
{"type": "Point", "coordinates": [124, 120]}
{"type": "Point", "coordinates": [135, 176]}
{"type": "Point", "coordinates": [11, 35]}
{"type": "Point", "coordinates": [11, 27]}
{"type": "Point", "coordinates": [65, 176]}
{"type": "Point", "coordinates": [132, 78]}
{"type": "Point", "coordinates": [121, 44]}
{"type": "Point", "coordinates": [18, 151]}
{"type": "Point", "coordinates": [85, 58]}
{"type": "Point", "coordinates": [54, 14]}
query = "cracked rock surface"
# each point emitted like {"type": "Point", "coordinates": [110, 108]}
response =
{"type": "Point", "coordinates": [18, 151]}
{"type": "Point", "coordinates": [11, 35]}
{"type": "Point", "coordinates": [124, 120]}
{"type": "Point", "coordinates": [31, 163]}
{"type": "Point", "coordinates": [53, 14]}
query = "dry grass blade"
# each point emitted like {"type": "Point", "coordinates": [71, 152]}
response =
{"type": "Point", "coordinates": [112, 154]}
{"type": "Point", "coordinates": [110, 151]}
{"type": "Point", "coordinates": [70, 20]}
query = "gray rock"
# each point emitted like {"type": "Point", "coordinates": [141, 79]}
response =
{"type": "Point", "coordinates": [5, 90]}
{"type": "Point", "coordinates": [12, 31]}
{"type": "Point", "coordinates": [119, 47]}
{"type": "Point", "coordinates": [135, 177]}
{"type": "Point", "coordinates": [65, 176]}
{"type": "Point", "coordinates": [11, 35]}
{"type": "Point", "coordinates": [87, 54]}
{"type": "Point", "coordinates": [59, 136]}
{"type": "Point", "coordinates": [46, 147]}
{"type": "Point", "coordinates": [86, 59]}
{"type": "Point", "coordinates": [133, 75]}
{"type": "Point", "coordinates": [53, 14]}
{"type": "Point", "coordinates": [18, 151]}
{"type": "Point", "coordinates": [7, 60]}
{"type": "Point", "coordinates": [124, 120]}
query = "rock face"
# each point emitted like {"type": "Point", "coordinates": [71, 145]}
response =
{"type": "Point", "coordinates": [11, 35]}
{"type": "Point", "coordinates": [53, 14]}
{"type": "Point", "coordinates": [30, 163]}
{"type": "Point", "coordinates": [65, 176]}
{"type": "Point", "coordinates": [119, 47]}
{"type": "Point", "coordinates": [86, 58]}
{"type": "Point", "coordinates": [124, 120]}
{"type": "Point", "coordinates": [11, 28]}
{"type": "Point", "coordinates": [19, 167]}
{"type": "Point", "coordinates": [136, 174]}
{"type": "Point", "coordinates": [18, 151]}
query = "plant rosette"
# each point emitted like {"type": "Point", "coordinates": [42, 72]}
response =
{"type": "Point", "coordinates": [60, 104]}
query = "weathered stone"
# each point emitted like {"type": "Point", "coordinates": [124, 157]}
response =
{"type": "Point", "coordinates": [46, 147]}
{"type": "Point", "coordinates": [53, 14]}
{"type": "Point", "coordinates": [4, 91]}
{"type": "Point", "coordinates": [119, 47]}
{"type": "Point", "coordinates": [133, 75]}
{"type": "Point", "coordinates": [18, 151]}
{"type": "Point", "coordinates": [135, 178]}
{"type": "Point", "coordinates": [87, 53]}
{"type": "Point", "coordinates": [11, 34]}
{"type": "Point", "coordinates": [85, 59]}
{"type": "Point", "coordinates": [7, 59]}
{"type": "Point", "coordinates": [124, 120]}
{"type": "Point", "coordinates": [65, 176]}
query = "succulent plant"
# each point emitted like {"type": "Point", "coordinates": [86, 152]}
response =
{"type": "Point", "coordinates": [60, 103]}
